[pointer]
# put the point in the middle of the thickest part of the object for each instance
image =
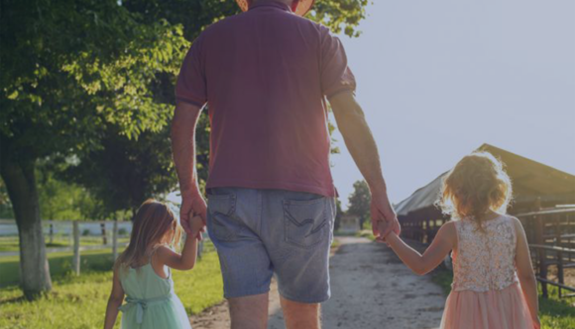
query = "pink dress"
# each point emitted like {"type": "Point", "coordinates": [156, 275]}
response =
{"type": "Point", "coordinates": [485, 292]}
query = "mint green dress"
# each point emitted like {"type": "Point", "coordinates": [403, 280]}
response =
{"type": "Point", "coordinates": [150, 301]}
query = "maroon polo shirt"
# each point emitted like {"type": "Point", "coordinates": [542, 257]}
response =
{"type": "Point", "coordinates": [264, 75]}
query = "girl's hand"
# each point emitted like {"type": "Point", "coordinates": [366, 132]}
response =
{"type": "Point", "coordinates": [537, 322]}
{"type": "Point", "coordinates": [196, 225]}
{"type": "Point", "coordinates": [382, 226]}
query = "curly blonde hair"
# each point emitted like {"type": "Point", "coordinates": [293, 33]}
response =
{"type": "Point", "coordinates": [478, 183]}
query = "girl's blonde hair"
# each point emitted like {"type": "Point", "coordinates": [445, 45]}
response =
{"type": "Point", "coordinates": [478, 183]}
{"type": "Point", "coordinates": [151, 226]}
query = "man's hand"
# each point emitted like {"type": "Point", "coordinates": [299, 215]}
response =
{"type": "Point", "coordinates": [382, 211]}
{"type": "Point", "coordinates": [197, 225]}
{"type": "Point", "coordinates": [193, 211]}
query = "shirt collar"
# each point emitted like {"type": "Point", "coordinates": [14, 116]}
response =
{"type": "Point", "coordinates": [274, 4]}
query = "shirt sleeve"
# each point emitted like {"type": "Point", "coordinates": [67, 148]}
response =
{"type": "Point", "coordinates": [191, 84]}
{"type": "Point", "coordinates": [336, 77]}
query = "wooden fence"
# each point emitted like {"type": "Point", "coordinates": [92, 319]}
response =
{"type": "Point", "coordinates": [75, 236]}
{"type": "Point", "coordinates": [551, 236]}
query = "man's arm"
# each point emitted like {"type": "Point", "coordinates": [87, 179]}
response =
{"type": "Point", "coordinates": [184, 148]}
{"type": "Point", "coordinates": [361, 145]}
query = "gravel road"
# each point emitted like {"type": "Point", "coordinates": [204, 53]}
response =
{"type": "Point", "coordinates": [371, 288]}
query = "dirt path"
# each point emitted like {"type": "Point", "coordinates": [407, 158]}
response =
{"type": "Point", "coordinates": [370, 289]}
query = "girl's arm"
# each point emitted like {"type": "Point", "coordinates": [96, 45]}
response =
{"type": "Point", "coordinates": [525, 272]}
{"type": "Point", "coordinates": [114, 302]}
{"type": "Point", "coordinates": [186, 260]}
{"type": "Point", "coordinates": [444, 242]}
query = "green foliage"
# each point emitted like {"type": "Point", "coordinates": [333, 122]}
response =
{"type": "Point", "coordinates": [61, 200]}
{"type": "Point", "coordinates": [340, 15]}
{"type": "Point", "coordinates": [72, 296]}
{"type": "Point", "coordinates": [360, 201]}
{"type": "Point", "coordinates": [125, 172]}
{"type": "Point", "coordinates": [5, 204]}
{"type": "Point", "coordinates": [70, 68]}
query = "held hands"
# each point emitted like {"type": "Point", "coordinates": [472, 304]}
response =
{"type": "Point", "coordinates": [197, 226]}
{"type": "Point", "coordinates": [193, 214]}
{"type": "Point", "coordinates": [384, 226]}
{"type": "Point", "coordinates": [383, 217]}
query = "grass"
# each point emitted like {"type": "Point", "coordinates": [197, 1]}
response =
{"type": "Point", "coordinates": [335, 243]}
{"type": "Point", "coordinates": [60, 264]}
{"type": "Point", "coordinates": [555, 313]}
{"type": "Point", "coordinates": [12, 244]}
{"type": "Point", "coordinates": [79, 302]}
{"type": "Point", "coordinates": [366, 234]}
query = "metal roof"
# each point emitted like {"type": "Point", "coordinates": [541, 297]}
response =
{"type": "Point", "coordinates": [530, 180]}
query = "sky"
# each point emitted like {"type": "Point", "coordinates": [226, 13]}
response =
{"type": "Point", "coordinates": [437, 79]}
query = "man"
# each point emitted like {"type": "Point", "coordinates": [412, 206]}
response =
{"type": "Point", "coordinates": [265, 74]}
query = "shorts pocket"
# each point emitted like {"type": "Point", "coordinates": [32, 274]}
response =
{"type": "Point", "coordinates": [306, 222]}
{"type": "Point", "coordinates": [221, 222]}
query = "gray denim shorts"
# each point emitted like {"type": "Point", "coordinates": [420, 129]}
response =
{"type": "Point", "coordinates": [259, 233]}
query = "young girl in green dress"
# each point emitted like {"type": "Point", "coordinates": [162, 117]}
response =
{"type": "Point", "coordinates": [142, 271]}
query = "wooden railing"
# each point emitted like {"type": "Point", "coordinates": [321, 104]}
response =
{"type": "Point", "coordinates": [551, 236]}
{"type": "Point", "coordinates": [73, 232]}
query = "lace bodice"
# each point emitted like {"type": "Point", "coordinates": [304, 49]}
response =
{"type": "Point", "coordinates": [484, 260]}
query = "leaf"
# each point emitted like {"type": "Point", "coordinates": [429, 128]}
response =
{"type": "Point", "coordinates": [13, 95]}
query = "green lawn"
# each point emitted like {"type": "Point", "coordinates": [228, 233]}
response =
{"type": "Point", "coordinates": [555, 313]}
{"type": "Point", "coordinates": [366, 234]}
{"type": "Point", "coordinates": [11, 243]}
{"type": "Point", "coordinates": [80, 302]}
{"type": "Point", "coordinates": [60, 264]}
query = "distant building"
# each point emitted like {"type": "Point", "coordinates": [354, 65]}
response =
{"type": "Point", "coordinates": [349, 224]}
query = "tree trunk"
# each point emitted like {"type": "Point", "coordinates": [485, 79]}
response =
{"type": "Point", "coordinates": [21, 185]}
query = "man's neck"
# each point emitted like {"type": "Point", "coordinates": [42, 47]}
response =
{"type": "Point", "coordinates": [287, 2]}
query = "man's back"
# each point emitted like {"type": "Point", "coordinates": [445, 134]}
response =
{"type": "Point", "coordinates": [264, 75]}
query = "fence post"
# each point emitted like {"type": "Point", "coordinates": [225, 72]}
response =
{"type": "Point", "coordinates": [115, 239]}
{"type": "Point", "coordinates": [560, 271]}
{"type": "Point", "coordinates": [200, 248]}
{"type": "Point", "coordinates": [51, 233]}
{"type": "Point", "coordinates": [542, 253]}
{"type": "Point", "coordinates": [104, 237]}
{"type": "Point", "coordinates": [76, 259]}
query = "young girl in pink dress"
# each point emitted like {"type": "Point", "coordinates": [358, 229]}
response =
{"type": "Point", "coordinates": [493, 284]}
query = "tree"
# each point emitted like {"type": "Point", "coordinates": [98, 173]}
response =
{"type": "Point", "coordinates": [68, 69]}
{"type": "Point", "coordinates": [360, 201]}
{"type": "Point", "coordinates": [72, 72]}
{"type": "Point", "coordinates": [338, 213]}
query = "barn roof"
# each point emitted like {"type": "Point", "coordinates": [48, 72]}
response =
{"type": "Point", "coordinates": [531, 180]}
